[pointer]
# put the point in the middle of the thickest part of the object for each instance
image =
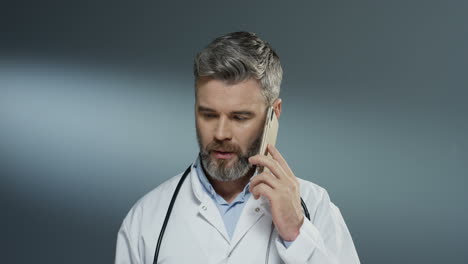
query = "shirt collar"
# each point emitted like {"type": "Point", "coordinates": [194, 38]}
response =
{"type": "Point", "coordinates": [211, 191]}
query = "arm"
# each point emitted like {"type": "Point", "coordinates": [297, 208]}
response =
{"type": "Point", "coordinates": [125, 249]}
{"type": "Point", "coordinates": [325, 239]}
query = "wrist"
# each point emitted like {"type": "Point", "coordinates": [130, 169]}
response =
{"type": "Point", "coordinates": [294, 232]}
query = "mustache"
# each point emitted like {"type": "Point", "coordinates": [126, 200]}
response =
{"type": "Point", "coordinates": [224, 145]}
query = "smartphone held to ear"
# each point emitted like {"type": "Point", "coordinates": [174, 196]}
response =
{"type": "Point", "coordinates": [270, 132]}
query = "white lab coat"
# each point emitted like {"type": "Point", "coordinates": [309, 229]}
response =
{"type": "Point", "coordinates": [196, 233]}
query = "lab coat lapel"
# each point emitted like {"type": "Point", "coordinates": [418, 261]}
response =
{"type": "Point", "coordinates": [251, 214]}
{"type": "Point", "coordinates": [207, 208]}
{"type": "Point", "coordinates": [210, 212]}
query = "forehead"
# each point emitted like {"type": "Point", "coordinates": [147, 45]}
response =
{"type": "Point", "coordinates": [223, 96]}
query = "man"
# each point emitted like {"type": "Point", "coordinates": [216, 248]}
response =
{"type": "Point", "coordinates": [225, 212]}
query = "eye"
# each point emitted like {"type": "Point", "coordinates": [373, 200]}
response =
{"type": "Point", "coordinates": [208, 115]}
{"type": "Point", "coordinates": [239, 118]}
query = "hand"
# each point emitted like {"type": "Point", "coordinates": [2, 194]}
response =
{"type": "Point", "coordinates": [281, 187]}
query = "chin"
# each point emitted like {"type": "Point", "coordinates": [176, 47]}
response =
{"type": "Point", "coordinates": [225, 164]}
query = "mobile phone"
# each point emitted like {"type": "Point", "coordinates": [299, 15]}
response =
{"type": "Point", "coordinates": [270, 132]}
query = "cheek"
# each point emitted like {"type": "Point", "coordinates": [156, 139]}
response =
{"type": "Point", "coordinates": [204, 132]}
{"type": "Point", "coordinates": [247, 136]}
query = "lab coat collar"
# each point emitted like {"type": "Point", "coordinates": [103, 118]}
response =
{"type": "Point", "coordinates": [206, 207]}
{"type": "Point", "coordinates": [251, 214]}
{"type": "Point", "coordinates": [197, 187]}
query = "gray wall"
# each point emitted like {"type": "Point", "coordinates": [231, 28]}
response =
{"type": "Point", "coordinates": [96, 110]}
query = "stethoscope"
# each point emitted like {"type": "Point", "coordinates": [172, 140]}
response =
{"type": "Point", "coordinates": [171, 205]}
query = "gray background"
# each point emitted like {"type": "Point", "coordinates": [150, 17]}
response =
{"type": "Point", "coordinates": [96, 106]}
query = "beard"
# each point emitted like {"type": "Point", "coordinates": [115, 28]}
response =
{"type": "Point", "coordinates": [217, 168]}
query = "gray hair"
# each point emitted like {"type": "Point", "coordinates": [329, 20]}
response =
{"type": "Point", "coordinates": [239, 56]}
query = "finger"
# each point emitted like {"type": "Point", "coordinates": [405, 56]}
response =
{"type": "Point", "coordinates": [264, 177]}
{"type": "Point", "coordinates": [269, 163]}
{"type": "Point", "coordinates": [263, 190]}
{"type": "Point", "coordinates": [278, 157]}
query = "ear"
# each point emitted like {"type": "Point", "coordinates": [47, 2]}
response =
{"type": "Point", "coordinates": [277, 107]}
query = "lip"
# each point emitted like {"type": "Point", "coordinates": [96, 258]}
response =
{"type": "Point", "coordinates": [223, 155]}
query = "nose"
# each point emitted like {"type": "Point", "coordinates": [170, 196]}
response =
{"type": "Point", "coordinates": [223, 129]}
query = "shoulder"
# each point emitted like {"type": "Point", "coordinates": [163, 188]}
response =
{"type": "Point", "coordinates": [162, 190]}
{"type": "Point", "coordinates": [152, 203]}
{"type": "Point", "coordinates": [316, 198]}
{"type": "Point", "coordinates": [311, 191]}
{"type": "Point", "coordinates": [155, 195]}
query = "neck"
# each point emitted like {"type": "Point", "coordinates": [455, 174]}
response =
{"type": "Point", "coordinates": [230, 189]}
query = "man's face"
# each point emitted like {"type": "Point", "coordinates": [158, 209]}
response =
{"type": "Point", "coordinates": [229, 120]}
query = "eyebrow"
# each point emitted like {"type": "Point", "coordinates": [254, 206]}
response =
{"type": "Point", "coordinates": [205, 109]}
{"type": "Point", "coordinates": [241, 112]}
